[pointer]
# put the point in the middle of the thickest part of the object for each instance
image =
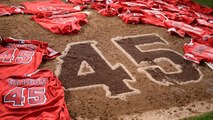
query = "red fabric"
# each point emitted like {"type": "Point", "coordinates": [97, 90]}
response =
{"type": "Point", "coordinates": [133, 6]}
{"type": "Point", "coordinates": [38, 96]}
{"type": "Point", "coordinates": [202, 16]}
{"type": "Point", "coordinates": [198, 52]}
{"type": "Point", "coordinates": [146, 16]}
{"type": "Point", "coordinates": [179, 32]}
{"type": "Point", "coordinates": [61, 24]}
{"type": "Point", "coordinates": [205, 23]}
{"type": "Point", "coordinates": [192, 5]}
{"type": "Point", "coordinates": [104, 9]}
{"type": "Point", "coordinates": [207, 29]}
{"type": "Point", "coordinates": [184, 18]}
{"type": "Point", "coordinates": [153, 17]}
{"type": "Point", "coordinates": [207, 41]}
{"type": "Point", "coordinates": [164, 6]}
{"type": "Point", "coordinates": [190, 30]}
{"type": "Point", "coordinates": [155, 12]}
{"type": "Point", "coordinates": [108, 12]}
{"type": "Point", "coordinates": [19, 57]}
{"type": "Point", "coordinates": [81, 2]}
{"type": "Point", "coordinates": [98, 6]}
{"type": "Point", "coordinates": [52, 6]}
{"type": "Point", "coordinates": [196, 7]}
{"type": "Point", "coordinates": [141, 4]}
{"type": "Point", "coordinates": [131, 18]}
{"type": "Point", "coordinates": [6, 10]}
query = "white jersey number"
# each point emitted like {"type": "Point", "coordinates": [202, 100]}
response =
{"type": "Point", "coordinates": [23, 56]}
{"type": "Point", "coordinates": [36, 96]}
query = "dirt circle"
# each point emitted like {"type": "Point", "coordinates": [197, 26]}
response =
{"type": "Point", "coordinates": [112, 70]}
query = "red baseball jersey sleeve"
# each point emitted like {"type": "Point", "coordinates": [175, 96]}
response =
{"type": "Point", "coordinates": [37, 96]}
{"type": "Point", "coordinates": [19, 57]}
{"type": "Point", "coordinates": [6, 10]}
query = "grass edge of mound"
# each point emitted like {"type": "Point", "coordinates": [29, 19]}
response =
{"type": "Point", "coordinates": [205, 116]}
{"type": "Point", "coordinates": [207, 3]}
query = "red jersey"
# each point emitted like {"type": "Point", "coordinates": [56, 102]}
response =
{"type": "Point", "coordinates": [195, 32]}
{"type": "Point", "coordinates": [198, 51]}
{"type": "Point", "coordinates": [6, 10]}
{"type": "Point", "coordinates": [205, 23]}
{"type": "Point", "coordinates": [131, 18]}
{"type": "Point", "coordinates": [19, 57]}
{"type": "Point", "coordinates": [84, 1]}
{"type": "Point", "coordinates": [196, 7]}
{"type": "Point", "coordinates": [179, 17]}
{"type": "Point", "coordinates": [37, 96]}
{"type": "Point", "coordinates": [61, 23]}
{"type": "Point", "coordinates": [53, 6]}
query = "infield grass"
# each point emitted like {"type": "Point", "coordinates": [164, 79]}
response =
{"type": "Point", "coordinates": [208, 3]}
{"type": "Point", "coordinates": [206, 116]}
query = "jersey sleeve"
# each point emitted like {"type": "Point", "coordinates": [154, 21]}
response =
{"type": "Point", "coordinates": [51, 54]}
{"type": "Point", "coordinates": [4, 10]}
{"type": "Point", "coordinates": [9, 10]}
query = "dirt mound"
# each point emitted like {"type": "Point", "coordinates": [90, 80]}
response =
{"type": "Point", "coordinates": [114, 70]}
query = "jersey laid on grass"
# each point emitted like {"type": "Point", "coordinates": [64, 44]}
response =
{"type": "Point", "coordinates": [6, 10]}
{"type": "Point", "coordinates": [61, 23]}
{"type": "Point", "coordinates": [38, 96]}
{"type": "Point", "coordinates": [19, 57]}
{"type": "Point", "coordinates": [52, 6]}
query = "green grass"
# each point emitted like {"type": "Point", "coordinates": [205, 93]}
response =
{"type": "Point", "coordinates": [206, 116]}
{"type": "Point", "coordinates": [208, 3]}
